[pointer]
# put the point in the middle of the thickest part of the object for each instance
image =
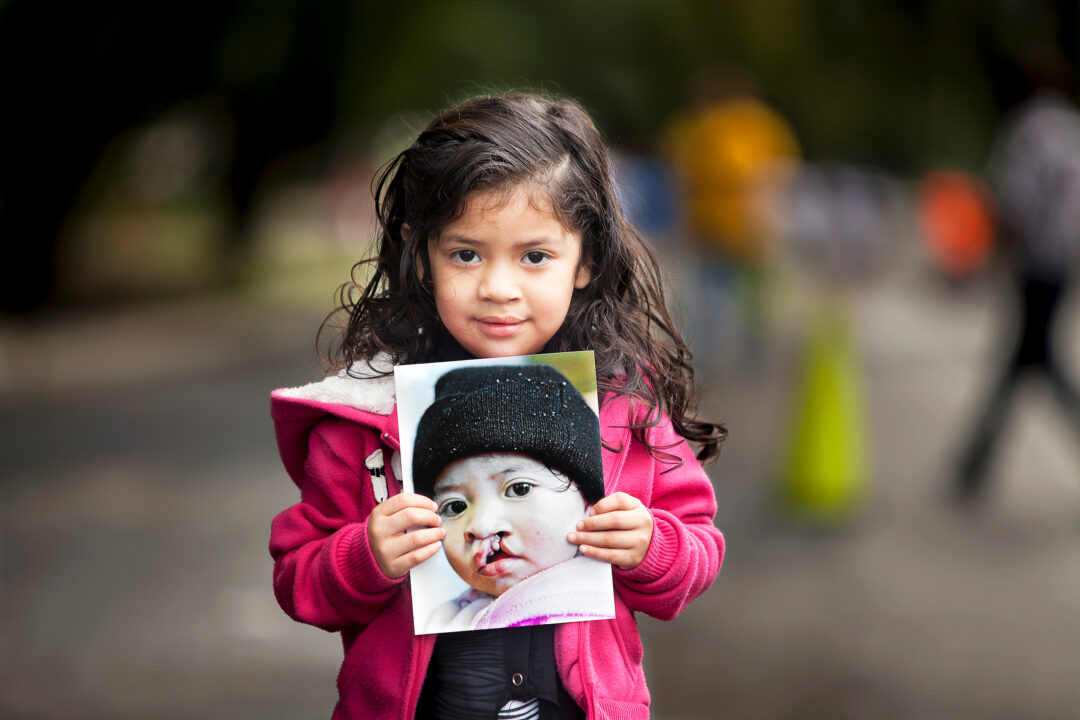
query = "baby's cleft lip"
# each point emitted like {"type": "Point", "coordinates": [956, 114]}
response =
{"type": "Point", "coordinates": [486, 559]}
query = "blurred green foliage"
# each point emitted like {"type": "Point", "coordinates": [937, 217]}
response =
{"type": "Point", "coordinates": [291, 87]}
{"type": "Point", "coordinates": [905, 84]}
{"type": "Point", "coordinates": [899, 81]}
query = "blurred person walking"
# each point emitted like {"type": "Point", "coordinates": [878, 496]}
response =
{"type": "Point", "coordinates": [1034, 175]}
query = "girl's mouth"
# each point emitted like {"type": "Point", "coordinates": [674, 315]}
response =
{"type": "Point", "coordinates": [500, 327]}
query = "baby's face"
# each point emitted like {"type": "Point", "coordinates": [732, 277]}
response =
{"type": "Point", "coordinates": [506, 517]}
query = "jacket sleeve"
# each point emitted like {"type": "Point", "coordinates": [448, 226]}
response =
{"type": "Point", "coordinates": [687, 549]}
{"type": "Point", "coordinates": [324, 570]}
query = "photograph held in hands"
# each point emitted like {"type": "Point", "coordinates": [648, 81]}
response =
{"type": "Point", "coordinates": [509, 450]}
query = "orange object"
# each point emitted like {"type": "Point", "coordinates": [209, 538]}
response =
{"type": "Point", "coordinates": [956, 220]}
{"type": "Point", "coordinates": [724, 152]}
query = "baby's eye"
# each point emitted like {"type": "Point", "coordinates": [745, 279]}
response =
{"type": "Point", "coordinates": [519, 489]}
{"type": "Point", "coordinates": [451, 508]}
{"type": "Point", "coordinates": [536, 257]}
{"type": "Point", "coordinates": [465, 257]}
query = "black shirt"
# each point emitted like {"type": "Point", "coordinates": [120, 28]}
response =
{"type": "Point", "coordinates": [473, 674]}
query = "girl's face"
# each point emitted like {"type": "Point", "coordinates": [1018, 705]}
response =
{"type": "Point", "coordinates": [504, 273]}
{"type": "Point", "coordinates": [506, 517]}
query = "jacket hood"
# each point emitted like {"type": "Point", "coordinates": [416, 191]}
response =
{"type": "Point", "coordinates": [363, 393]}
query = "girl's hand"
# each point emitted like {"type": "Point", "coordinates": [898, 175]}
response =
{"type": "Point", "coordinates": [618, 530]}
{"type": "Point", "coordinates": [396, 550]}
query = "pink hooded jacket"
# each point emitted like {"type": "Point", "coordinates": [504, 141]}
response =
{"type": "Point", "coordinates": [338, 439]}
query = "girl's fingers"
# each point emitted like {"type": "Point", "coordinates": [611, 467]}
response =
{"type": "Point", "coordinates": [394, 548]}
{"type": "Point", "coordinates": [617, 520]}
{"type": "Point", "coordinates": [415, 517]}
{"type": "Point", "coordinates": [420, 555]}
{"type": "Point", "coordinates": [405, 518]}
{"type": "Point", "coordinates": [402, 553]}
{"type": "Point", "coordinates": [616, 501]}
{"type": "Point", "coordinates": [402, 565]}
{"type": "Point", "coordinates": [402, 545]}
{"type": "Point", "coordinates": [404, 510]}
{"type": "Point", "coordinates": [394, 503]}
{"type": "Point", "coordinates": [618, 531]}
{"type": "Point", "coordinates": [623, 559]}
{"type": "Point", "coordinates": [623, 540]}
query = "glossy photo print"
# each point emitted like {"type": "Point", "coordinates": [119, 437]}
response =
{"type": "Point", "coordinates": [509, 449]}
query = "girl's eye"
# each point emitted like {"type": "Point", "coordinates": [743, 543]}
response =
{"type": "Point", "coordinates": [519, 489]}
{"type": "Point", "coordinates": [536, 257]}
{"type": "Point", "coordinates": [451, 508]}
{"type": "Point", "coordinates": [466, 257]}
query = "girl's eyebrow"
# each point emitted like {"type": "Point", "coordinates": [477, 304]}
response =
{"type": "Point", "coordinates": [454, 237]}
{"type": "Point", "coordinates": [539, 241]}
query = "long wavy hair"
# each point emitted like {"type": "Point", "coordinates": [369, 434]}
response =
{"type": "Point", "coordinates": [497, 143]}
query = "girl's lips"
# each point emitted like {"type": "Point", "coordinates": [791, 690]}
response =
{"type": "Point", "coordinates": [500, 327]}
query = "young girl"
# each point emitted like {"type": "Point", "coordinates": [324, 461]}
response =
{"type": "Point", "coordinates": [500, 235]}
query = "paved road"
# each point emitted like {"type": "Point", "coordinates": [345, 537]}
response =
{"type": "Point", "coordinates": [139, 476]}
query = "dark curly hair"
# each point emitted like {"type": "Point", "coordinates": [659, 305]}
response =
{"type": "Point", "coordinates": [497, 143]}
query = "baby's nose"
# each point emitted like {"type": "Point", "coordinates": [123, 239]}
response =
{"type": "Point", "coordinates": [484, 522]}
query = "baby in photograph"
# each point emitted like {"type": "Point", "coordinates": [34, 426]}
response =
{"type": "Point", "coordinates": [511, 456]}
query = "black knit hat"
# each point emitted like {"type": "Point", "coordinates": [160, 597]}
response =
{"type": "Point", "coordinates": [527, 409]}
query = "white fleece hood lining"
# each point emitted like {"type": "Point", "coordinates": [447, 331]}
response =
{"type": "Point", "coordinates": [362, 386]}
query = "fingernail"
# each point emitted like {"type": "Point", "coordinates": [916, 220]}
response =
{"type": "Point", "coordinates": [581, 525]}
{"type": "Point", "coordinates": [571, 537]}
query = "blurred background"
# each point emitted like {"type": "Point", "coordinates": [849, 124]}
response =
{"type": "Point", "coordinates": [866, 213]}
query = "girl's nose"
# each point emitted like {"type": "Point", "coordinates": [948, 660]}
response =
{"type": "Point", "coordinates": [498, 285]}
{"type": "Point", "coordinates": [484, 520]}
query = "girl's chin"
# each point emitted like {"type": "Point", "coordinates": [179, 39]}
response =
{"type": "Point", "coordinates": [499, 344]}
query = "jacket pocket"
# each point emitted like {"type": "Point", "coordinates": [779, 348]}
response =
{"type": "Point", "coordinates": [628, 638]}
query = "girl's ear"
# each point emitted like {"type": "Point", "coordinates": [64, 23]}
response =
{"type": "Point", "coordinates": [584, 272]}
